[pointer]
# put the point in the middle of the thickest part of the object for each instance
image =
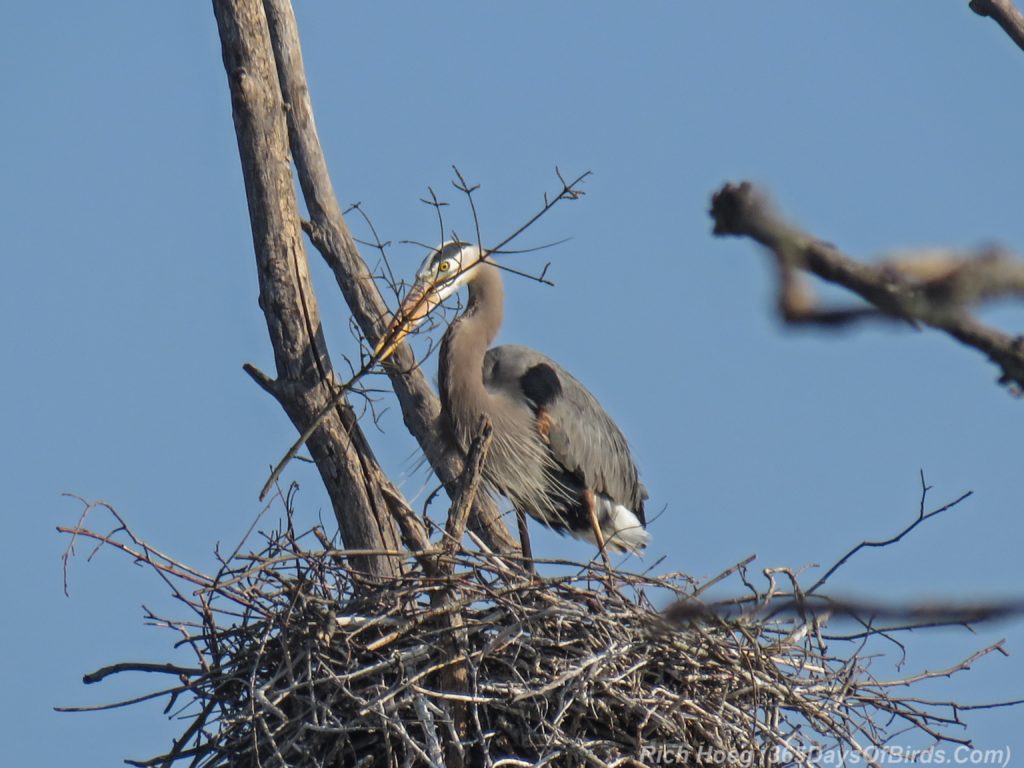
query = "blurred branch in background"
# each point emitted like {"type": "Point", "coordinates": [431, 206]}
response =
{"type": "Point", "coordinates": [933, 287]}
{"type": "Point", "coordinates": [785, 596]}
{"type": "Point", "coordinates": [937, 288]}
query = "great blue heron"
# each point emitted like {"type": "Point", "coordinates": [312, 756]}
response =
{"type": "Point", "coordinates": [555, 454]}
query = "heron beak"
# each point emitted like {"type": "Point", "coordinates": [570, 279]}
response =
{"type": "Point", "coordinates": [420, 300]}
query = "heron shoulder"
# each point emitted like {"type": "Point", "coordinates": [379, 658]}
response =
{"type": "Point", "coordinates": [581, 435]}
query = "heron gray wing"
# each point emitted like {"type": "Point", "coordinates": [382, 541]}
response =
{"type": "Point", "coordinates": [580, 434]}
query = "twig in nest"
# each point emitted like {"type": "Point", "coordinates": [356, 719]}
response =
{"type": "Point", "coordinates": [297, 666]}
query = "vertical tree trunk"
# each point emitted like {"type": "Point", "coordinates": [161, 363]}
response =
{"type": "Point", "coordinates": [420, 406]}
{"type": "Point", "coordinates": [305, 382]}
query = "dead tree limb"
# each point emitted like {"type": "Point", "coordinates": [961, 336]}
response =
{"type": "Point", "coordinates": [1005, 14]}
{"type": "Point", "coordinates": [329, 233]}
{"type": "Point", "coordinates": [467, 493]}
{"type": "Point", "coordinates": [454, 677]}
{"type": "Point", "coordinates": [936, 289]}
{"type": "Point", "coordinates": [305, 379]}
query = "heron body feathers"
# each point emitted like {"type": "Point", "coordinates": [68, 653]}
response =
{"type": "Point", "coordinates": [555, 454]}
{"type": "Point", "coordinates": [555, 450]}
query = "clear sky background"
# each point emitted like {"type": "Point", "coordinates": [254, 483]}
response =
{"type": "Point", "coordinates": [130, 294]}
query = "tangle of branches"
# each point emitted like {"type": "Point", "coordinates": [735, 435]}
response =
{"type": "Point", "coordinates": [467, 660]}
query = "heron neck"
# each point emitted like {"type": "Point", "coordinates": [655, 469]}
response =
{"type": "Point", "coordinates": [460, 375]}
{"type": "Point", "coordinates": [486, 306]}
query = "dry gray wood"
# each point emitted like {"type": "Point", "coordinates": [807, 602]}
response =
{"type": "Point", "coordinates": [305, 379]}
{"type": "Point", "coordinates": [467, 492]}
{"type": "Point", "coordinates": [1005, 14]}
{"type": "Point", "coordinates": [327, 229]}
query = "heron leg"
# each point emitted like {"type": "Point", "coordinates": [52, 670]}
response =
{"type": "Point", "coordinates": [524, 542]}
{"type": "Point", "coordinates": [591, 502]}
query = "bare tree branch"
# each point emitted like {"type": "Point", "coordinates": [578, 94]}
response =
{"type": "Point", "coordinates": [466, 495]}
{"type": "Point", "coordinates": [935, 289]}
{"type": "Point", "coordinates": [305, 379]}
{"type": "Point", "coordinates": [453, 678]}
{"type": "Point", "coordinates": [1005, 14]}
{"type": "Point", "coordinates": [922, 516]}
{"type": "Point", "coordinates": [420, 407]}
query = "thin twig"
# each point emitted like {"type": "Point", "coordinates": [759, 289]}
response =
{"type": "Point", "coordinates": [922, 516]}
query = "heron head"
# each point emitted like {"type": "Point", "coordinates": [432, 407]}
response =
{"type": "Point", "coordinates": [442, 273]}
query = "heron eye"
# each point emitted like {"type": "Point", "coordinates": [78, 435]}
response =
{"type": "Point", "coordinates": [443, 266]}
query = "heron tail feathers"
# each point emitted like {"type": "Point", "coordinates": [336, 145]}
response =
{"type": "Point", "coordinates": [622, 529]}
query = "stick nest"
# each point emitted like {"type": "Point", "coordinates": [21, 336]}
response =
{"type": "Point", "coordinates": [299, 663]}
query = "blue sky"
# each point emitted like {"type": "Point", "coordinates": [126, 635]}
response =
{"type": "Point", "coordinates": [131, 299]}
